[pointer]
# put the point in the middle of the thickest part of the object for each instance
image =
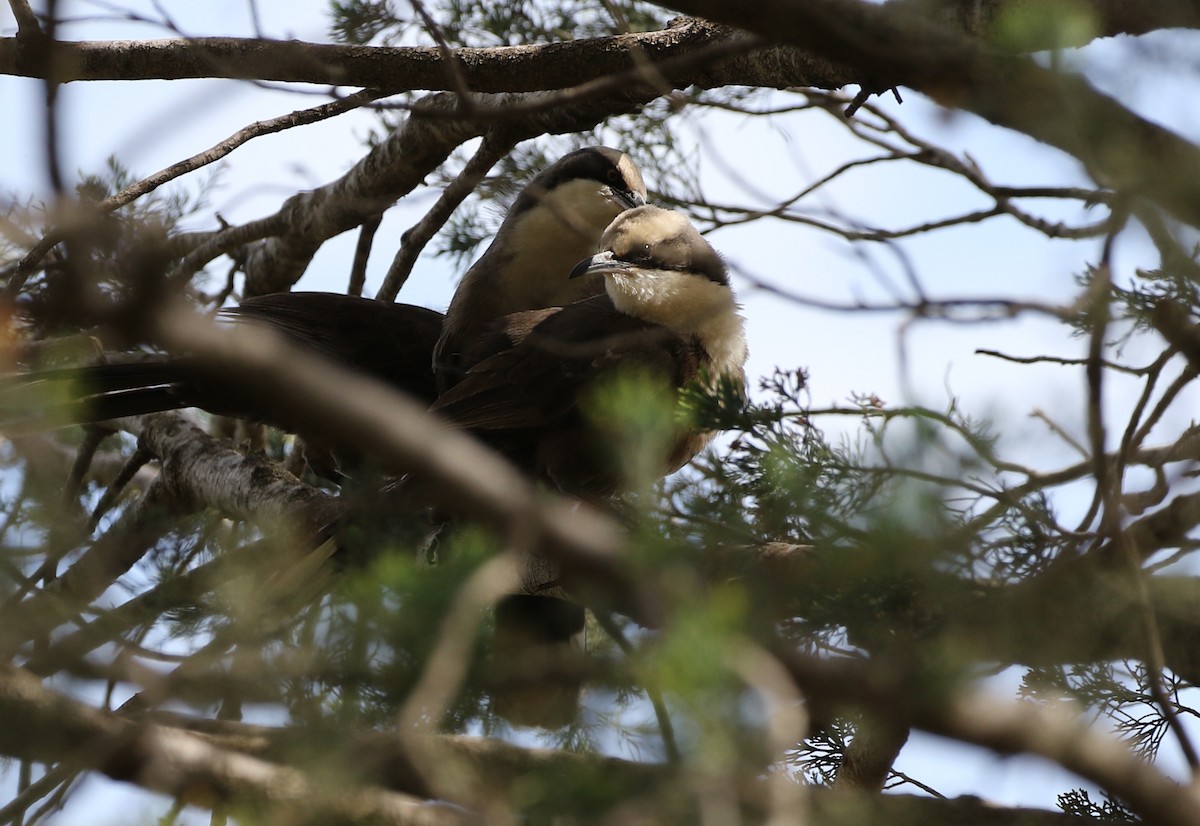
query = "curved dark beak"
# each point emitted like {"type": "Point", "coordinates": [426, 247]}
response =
{"type": "Point", "coordinates": [601, 262]}
{"type": "Point", "coordinates": [628, 198]}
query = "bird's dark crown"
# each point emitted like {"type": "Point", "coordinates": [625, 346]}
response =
{"type": "Point", "coordinates": [607, 166]}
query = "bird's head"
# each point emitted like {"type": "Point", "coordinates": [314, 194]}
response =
{"type": "Point", "coordinates": [649, 240]}
{"type": "Point", "coordinates": [583, 191]}
{"type": "Point", "coordinates": [659, 268]}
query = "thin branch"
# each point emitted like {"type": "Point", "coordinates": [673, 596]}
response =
{"type": "Point", "coordinates": [666, 729]}
{"type": "Point", "coordinates": [495, 146]}
{"type": "Point", "coordinates": [213, 244]}
{"type": "Point", "coordinates": [1061, 432]}
{"type": "Point", "coordinates": [47, 783]}
{"type": "Point", "coordinates": [1066, 362]}
{"type": "Point", "coordinates": [1185, 377]}
{"type": "Point", "coordinates": [943, 309]}
{"type": "Point", "coordinates": [27, 264]}
{"type": "Point", "coordinates": [103, 563]}
{"type": "Point", "coordinates": [171, 593]}
{"type": "Point", "coordinates": [454, 69]}
{"type": "Point", "coordinates": [92, 437]}
{"type": "Point", "coordinates": [136, 461]}
{"type": "Point", "coordinates": [43, 48]}
{"type": "Point", "coordinates": [901, 779]}
{"type": "Point", "coordinates": [1131, 153]}
{"type": "Point", "coordinates": [27, 22]}
{"type": "Point", "coordinates": [362, 254]}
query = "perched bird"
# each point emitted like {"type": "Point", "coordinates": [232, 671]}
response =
{"type": "Point", "coordinates": [555, 220]}
{"type": "Point", "coordinates": [667, 313]}
{"type": "Point", "coordinates": [667, 316]}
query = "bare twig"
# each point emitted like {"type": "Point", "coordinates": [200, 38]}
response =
{"type": "Point", "coordinates": [494, 147]}
{"type": "Point", "coordinates": [214, 153]}
{"type": "Point", "coordinates": [99, 567]}
{"type": "Point", "coordinates": [362, 254]}
{"type": "Point", "coordinates": [1133, 154]}
{"type": "Point", "coordinates": [454, 69]}
{"type": "Point", "coordinates": [136, 461]}
{"type": "Point", "coordinates": [1066, 362]}
{"type": "Point", "coordinates": [666, 729]}
{"type": "Point", "coordinates": [27, 22]}
{"type": "Point", "coordinates": [92, 437]}
{"type": "Point", "coordinates": [1061, 432]}
{"type": "Point", "coordinates": [955, 310]}
{"type": "Point", "coordinates": [54, 777]}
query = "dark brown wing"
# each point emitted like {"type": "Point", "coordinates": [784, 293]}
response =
{"type": "Point", "coordinates": [392, 342]}
{"type": "Point", "coordinates": [468, 316]}
{"type": "Point", "coordinates": [544, 359]}
{"type": "Point", "coordinates": [524, 399]}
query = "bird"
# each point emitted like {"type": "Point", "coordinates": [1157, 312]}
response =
{"type": "Point", "coordinates": [556, 219]}
{"type": "Point", "coordinates": [667, 312]}
{"type": "Point", "coordinates": [571, 202]}
{"type": "Point", "coordinates": [668, 315]}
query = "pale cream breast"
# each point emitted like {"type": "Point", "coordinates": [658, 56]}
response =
{"type": "Point", "coordinates": [686, 304]}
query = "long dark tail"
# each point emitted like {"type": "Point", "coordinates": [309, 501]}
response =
{"type": "Point", "coordinates": [55, 398]}
{"type": "Point", "coordinates": [392, 342]}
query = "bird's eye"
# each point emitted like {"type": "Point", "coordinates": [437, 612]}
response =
{"type": "Point", "coordinates": [613, 176]}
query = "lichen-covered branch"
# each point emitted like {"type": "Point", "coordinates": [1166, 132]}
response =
{"type": "Point", "coordinates": [49, 727]}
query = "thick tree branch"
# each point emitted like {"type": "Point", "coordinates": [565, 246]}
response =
{"type": "Point", "coordinates": [50, 727]}
{"type": "Point", "coordinates": [499, 69]}
{"type": "Point", "coordinates": [1084, 19]}
{"type": "Point", "coordinates": [1094, 611]}
{"type": "Point", "coordinates": [404, 68]}
{"type": "Point", "coordinates": [353, 411]}
{"type": "Point", "coordinates": [1118, 148]}
{"type": "Point", "coordinates": [207, 762]}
